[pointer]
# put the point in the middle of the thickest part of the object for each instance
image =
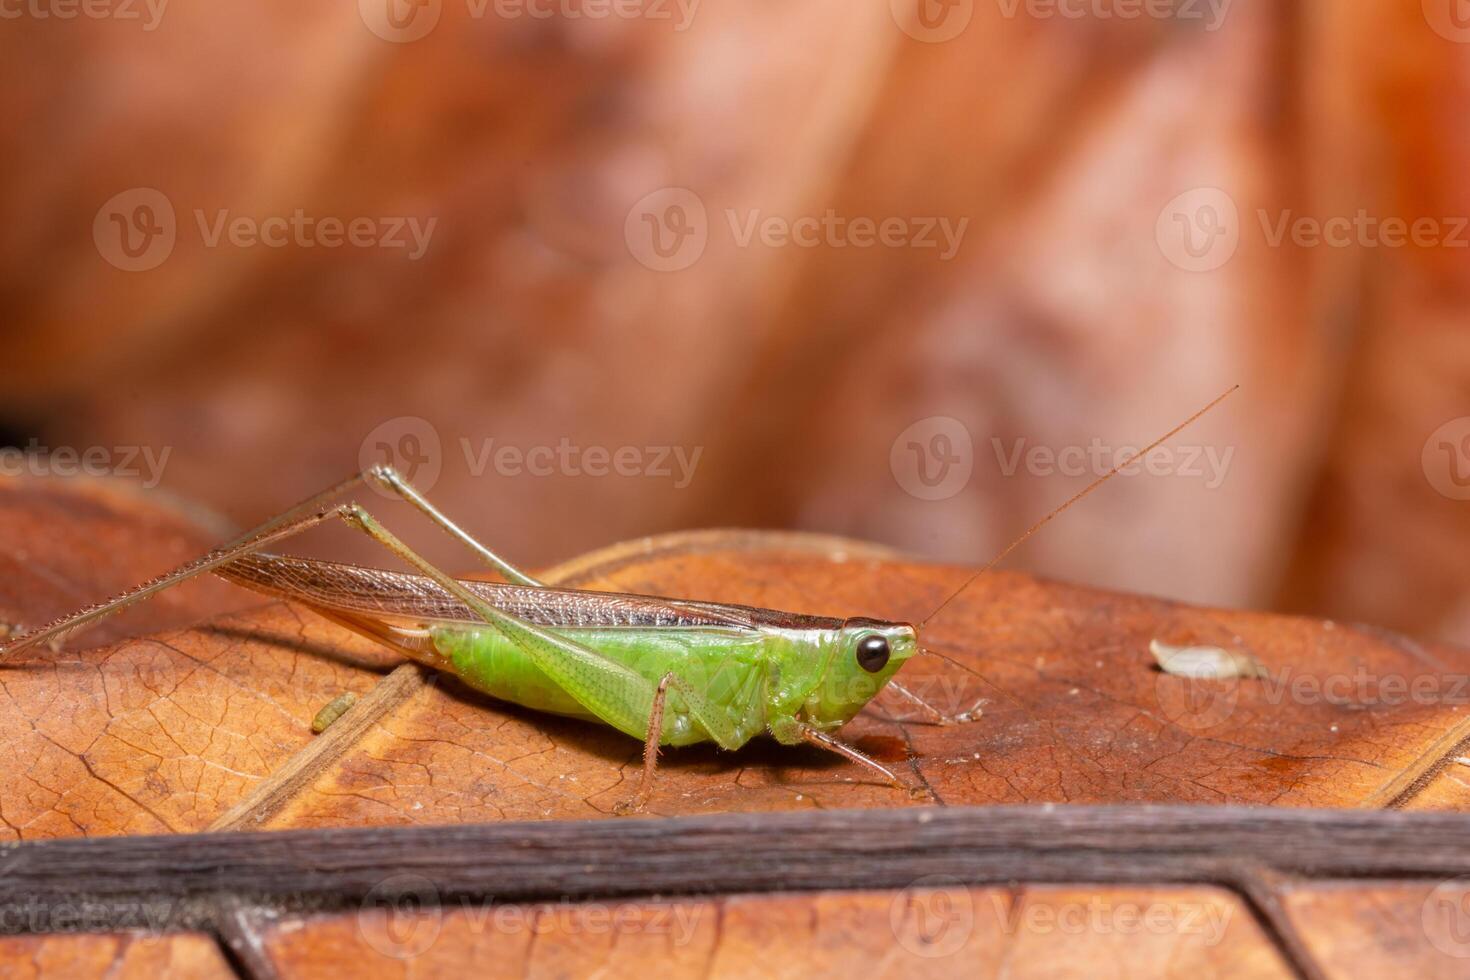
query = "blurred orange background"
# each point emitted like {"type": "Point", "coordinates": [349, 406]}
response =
{"type": "Point", "coordinates": [908, 270]}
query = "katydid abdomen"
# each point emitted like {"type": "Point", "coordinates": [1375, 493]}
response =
{"type": "Point", "coordinates": [729, 669]}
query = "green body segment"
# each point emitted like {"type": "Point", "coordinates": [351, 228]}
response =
{"type": "Point", "coordinates": [751, 680]}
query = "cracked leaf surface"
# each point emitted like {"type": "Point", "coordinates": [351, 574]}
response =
{"type": "Point", "coordinates": [168, 731]}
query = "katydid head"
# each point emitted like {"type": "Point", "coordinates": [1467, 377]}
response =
{"type": "Point", "coordinates": [864, 656]}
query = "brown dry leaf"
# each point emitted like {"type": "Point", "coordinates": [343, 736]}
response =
{"type": "Point", "coordinates": [934, 932]}
{"type": "Point", "coordinates": [210, 726]}
{"type": "Point", "coordinates": [112, 956]}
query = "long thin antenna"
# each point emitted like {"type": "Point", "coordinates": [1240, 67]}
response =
{"type": "Point", "coordinates": [1078, 496]}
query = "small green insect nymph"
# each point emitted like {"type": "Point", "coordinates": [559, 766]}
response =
{"type": "Point", "coordinates": [667, 671]}
{"type": "Point", "coordinates": [331, 711]}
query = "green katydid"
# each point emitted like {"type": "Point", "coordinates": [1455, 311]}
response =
{"type": "Point", "coordinates": [667, 671]}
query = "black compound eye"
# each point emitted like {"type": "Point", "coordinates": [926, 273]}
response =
{"type": "Point", "coordinates": [872, 653]}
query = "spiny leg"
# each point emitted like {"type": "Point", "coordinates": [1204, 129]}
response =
{"type": "Point", "coordinates": [275, 530]}
{"type": "Point", "coordinates": [315, 504]}
{"type": "Point", "coordinates": [823, 740]}
{"type": "Point", "coordinates": [389, 479]}
{"type": "Point", "coordinates": [935, 715]}
{"type": "Point", "coordinates": [307, 514]}
{"type": "Point", "coordinates": [698, 707]}
{"type": "Point", "coordinates": [650, 749]}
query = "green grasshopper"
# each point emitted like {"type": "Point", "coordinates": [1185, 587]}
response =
{"type": "Point", "coordinates": [667, 671]}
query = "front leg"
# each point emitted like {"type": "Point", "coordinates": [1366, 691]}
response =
{"type": "Point", "coordinates": [790, 731]}
{"type": "Point", "coordinates": [935, 716]}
